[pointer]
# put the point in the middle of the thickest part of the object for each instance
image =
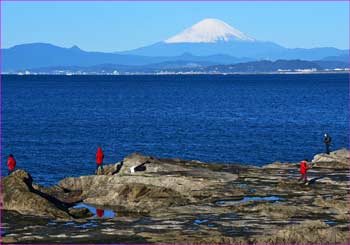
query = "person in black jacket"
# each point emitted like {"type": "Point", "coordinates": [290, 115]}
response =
{"type": "Point", "coordinates": [327, 141]}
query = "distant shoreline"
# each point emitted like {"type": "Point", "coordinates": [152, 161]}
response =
{"type": "Point", "coordinates": [186, 74]}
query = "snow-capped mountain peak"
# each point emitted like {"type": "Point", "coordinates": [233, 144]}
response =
{"type": "Point", "coordinates": [209, 31]}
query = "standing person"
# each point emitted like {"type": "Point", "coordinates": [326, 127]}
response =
{"type": "Point", "coordinates": [327, 140]}
{"type": "Point", "coordinates": [303, 170]}
{"type": "Point", "coordinates": [11, 164]}
{"type": "Point", "coordinates": [99, 159]}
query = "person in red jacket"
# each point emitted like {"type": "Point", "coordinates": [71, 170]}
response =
{"type": "Point", "coordinates": [303, 170]}
{"type": "Point", "coordinates": [11, 164]}
{"type": "Point", "coordinates": [99, 159]}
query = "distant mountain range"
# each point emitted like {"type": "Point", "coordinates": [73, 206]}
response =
{"type": "Point", "coordinates": [38, 55]}
{"type": "Point", "coordinates": [208, 43]}
{"type": "Point", "coordinates": [213, 36]}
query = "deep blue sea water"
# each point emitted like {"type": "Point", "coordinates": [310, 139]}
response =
{"type": "Point", "coordinates": [53, 124]}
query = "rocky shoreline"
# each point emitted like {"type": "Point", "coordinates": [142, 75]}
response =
{"type": "Point", "coordinates": [151, 200]}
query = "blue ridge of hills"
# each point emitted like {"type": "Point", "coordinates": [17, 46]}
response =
{"type": "Point", "coordinates": [43, 57]}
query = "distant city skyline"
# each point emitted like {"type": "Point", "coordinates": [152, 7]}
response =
{"type": "Point", "coordinates": [118, 26]}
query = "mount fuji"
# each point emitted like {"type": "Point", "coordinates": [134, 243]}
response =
{"type": "Point", "coordinates": [213, 37]}
{"type": "Point", "coordinates": [209, 31]}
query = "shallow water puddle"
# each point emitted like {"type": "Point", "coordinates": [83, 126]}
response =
{"type": "Point", "coordinates": [330, 222]}
{"type": "Point", "coordinates": [86, 225]}
{"type": "Point", "coordinates": [198, 221]}
{"type": "Point", "coordinates": [98, 212]}
{"type": "Point", "coordinates": [78, 225]}
{"type": "Point", "coordinates": [250, 199]}
{"type": "Point", "coordinates": [210, 220]}
{"type": "Point", "coordinates": [69, 223]}
{"type": "Point", "coordinates": [328, 197]}
{"type": "Point", "coordinates": [206, 222]}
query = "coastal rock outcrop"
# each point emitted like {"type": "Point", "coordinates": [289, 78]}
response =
{"type": "Point", "coordinates": [19, 195]}
{"type": "Point", "coordinates": [179, 201]}
{"type": "Point", "coordinates": [161, 183]}
{"type": "Point", "coordinates": [337, 159]}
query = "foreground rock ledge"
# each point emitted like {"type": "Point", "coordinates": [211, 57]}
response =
{"type": "Point", "coordinates": [177, 201]}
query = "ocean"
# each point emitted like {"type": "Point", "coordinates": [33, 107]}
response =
{"type": "Point", "coordinates": [54, 124]}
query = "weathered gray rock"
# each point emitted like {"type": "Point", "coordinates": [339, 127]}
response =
{"type": "Point", "coordinates": [57, 192]}
{"type": "Point", "coordinates": [19, 195]}
{"type": "Point", "coordinates": [139, 198]}
{"type": "Point", "coordinates": [109, 169]}
{"type": "Point", "coordinates": [80, 212]}
{"type": "Point", "coordinates": [162, 183]}
{"type": "Point", "coordinates": [136, 162]}
{"type": "Point", "coordinates": [133, 161]}
{"type": "Point", "coordinates": [308, 232]}
{"type": "Point", "coordinates": [337, 159]}
{"type": "Point", "coordinates": [195, 203]}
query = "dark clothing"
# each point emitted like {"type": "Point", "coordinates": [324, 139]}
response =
{"type": "Point", "coordinates": [97, 167]}
{"type": "Point", "coordinates": [327, 140]}
{"type": "Point", "coordinates": [11, 163]}
{"type": "Point", "coordinates": [327, 149]}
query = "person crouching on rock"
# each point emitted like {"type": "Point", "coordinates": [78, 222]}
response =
{"type": "Point", "coordinates": [99, 159]}
{"type": "Point", "coordinates": [11, 164]}
{"type": "Point", "coordinates": [303, 170]}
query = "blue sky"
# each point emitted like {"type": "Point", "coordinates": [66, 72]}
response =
{"type": "Point", "coordinates": [115, 26]}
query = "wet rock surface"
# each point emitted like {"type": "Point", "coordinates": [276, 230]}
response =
{"type": "Point", "coordinates": [176, 201]}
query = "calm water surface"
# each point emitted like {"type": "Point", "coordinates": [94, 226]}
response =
{"type": "Point", "coordinates": [53, 124]}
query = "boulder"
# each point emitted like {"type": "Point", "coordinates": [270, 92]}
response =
{"type": "Point", "coordinates": [148, 164]}
{"type": "Point", "coordinates": [336, 159]}
{"type": "Point", "coordinates": [138, 198]}
{"type": "Point", "coordinates": [109, 169]}
{"type": "Point", "coordinates": [19, 195]}
{"type": "Point", "coordinates": [135, 193]}
{"type": "Point", "coordinates": [162, 183]}
{"type": "Point", "coordinates": [135, 162]}
{"type": "Point", "coordinates": [63, 195]}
